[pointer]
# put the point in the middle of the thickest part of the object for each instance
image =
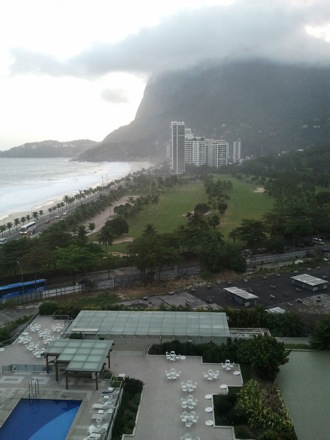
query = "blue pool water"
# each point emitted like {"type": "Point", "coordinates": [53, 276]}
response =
{"type": "Point", "coordinates": [38, 419]}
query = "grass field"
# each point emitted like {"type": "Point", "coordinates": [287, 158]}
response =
{"type": "Point", "coordinates": [170, 212]}
{"type": "Point", "coordinates": [245, 202]}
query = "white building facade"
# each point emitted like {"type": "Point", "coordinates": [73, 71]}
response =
{"type": "Point", "coordinates": [218, 153]}
{"type": "Point", "coordinates": [195, 151]}
{"type": "Point", "coordinates": [237, 151]}
{"type": "Point", "coordinates": [177, 147]}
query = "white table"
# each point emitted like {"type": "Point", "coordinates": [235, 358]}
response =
{"type": "Point", "coordinates": [209, 423]}
{"type": "Point", "coordinates": [236, 373]}
{"type": "Point", "coordinates": [223, 386]}
{"type": "Point", "coordinates": [208, 396]}
{"type": "Point", "coordinates": [208, 409]}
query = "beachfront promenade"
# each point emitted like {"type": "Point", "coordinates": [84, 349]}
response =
{"type": "Point", "coordinates": [160, 410]}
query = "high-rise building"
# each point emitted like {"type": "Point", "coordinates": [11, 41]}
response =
{"type": "Point", "coordinates": [177, 147]}
{"type": "Point", "coordinates": [218, 153]}
{"type": "Point", "coordinates": [237, 151]}
{"type": "Point", "coordinates": [195, 151]}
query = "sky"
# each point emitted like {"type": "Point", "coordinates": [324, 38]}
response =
{"type": "Point", "coordinates": [77, 69]}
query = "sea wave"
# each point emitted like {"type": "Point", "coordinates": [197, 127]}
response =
{"type": "Point", "coordinates": [26, 185]}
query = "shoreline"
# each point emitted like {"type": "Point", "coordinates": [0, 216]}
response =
{"type": "Point", "coordinates": [11, 216]}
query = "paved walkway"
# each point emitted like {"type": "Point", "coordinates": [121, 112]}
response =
{"type": "Point", "coordinates": [159, 416]}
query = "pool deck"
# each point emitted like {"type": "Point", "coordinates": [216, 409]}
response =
{"type": "Point", "coordinates": [159, 413]}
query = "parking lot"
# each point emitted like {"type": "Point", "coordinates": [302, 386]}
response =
{"type": "Point", "coordinates": [272, 291]}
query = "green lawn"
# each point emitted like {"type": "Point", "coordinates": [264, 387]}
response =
{"type": "Point", "coordinates": [170, 212]}
{"type": "Point", "coordinates": [244, 202]}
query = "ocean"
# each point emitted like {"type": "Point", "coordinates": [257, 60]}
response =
{"type": "Point", "coordinates": [28, 185]}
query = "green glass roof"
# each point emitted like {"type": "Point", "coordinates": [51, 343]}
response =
{"type": "Point", "coordinates": [135, 323]}
{"type": "Point", "coordinates": [81, 355]}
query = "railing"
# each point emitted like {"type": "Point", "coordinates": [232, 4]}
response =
{"type": "Point", "coordinates": [15, 368]}
{"type": "Point", "coordinates": [33, 387]}
{"type": "Point", "coordinates": [20, 330]}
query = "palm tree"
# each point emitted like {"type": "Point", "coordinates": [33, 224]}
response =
{"type": "Point", "coordinates": [105, 237]}
{"type": "Point", "coordinates": [91, 227]}
{"type": "Point", "coordinates": [35, 215]}
{"type": "Point", "coordinates": [28, 217]}
{"type": "Point", "coordinates": [23, 220]}
{"type": "Point", "coordinates": [2, 229]}
{"type": "Point", "coordinates": [9, 226]}
{"type": "Point", "coordinates": [82, 234]}
{"type": "Point", "coordinates": [41, 212]}
{"type": "Point", "coordinates": [16, 222]}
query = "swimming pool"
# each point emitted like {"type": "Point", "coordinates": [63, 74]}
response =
{"type": "Point", "coordinates": [40, 419]}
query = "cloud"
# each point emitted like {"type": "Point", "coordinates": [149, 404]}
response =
{"type": "Point", "coordinates": [273, 30]}
{"type": "Point", "coordinates": [115, 96]}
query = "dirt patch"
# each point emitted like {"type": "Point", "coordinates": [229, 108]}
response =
{"type": "Point", "coordinates": [123, 240]}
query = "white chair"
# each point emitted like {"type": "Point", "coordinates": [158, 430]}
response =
{"type": "Point", "coordinates": [188, 423]}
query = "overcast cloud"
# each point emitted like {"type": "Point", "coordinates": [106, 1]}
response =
{"type": "Point", "coordinates": [115, 96]}
{"type": "Point", "coordinates": [271, 30]}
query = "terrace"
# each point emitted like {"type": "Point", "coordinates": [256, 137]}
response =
{"type": "Point", "coordinates": [160, 408]}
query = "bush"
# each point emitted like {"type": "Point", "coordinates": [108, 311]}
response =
{"type": "Point", "coordinates": [48, 308]}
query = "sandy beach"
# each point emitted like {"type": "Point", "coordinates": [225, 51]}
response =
{"type": "Point", "coordinates": [99, 221]}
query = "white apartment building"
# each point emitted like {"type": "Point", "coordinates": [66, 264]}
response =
{"type": "Point", "coordinates": [218, 152]}
{"type": "Point", "coordinates": [177, 147]}
{"type": "Point", "coordinates": [237, 151]}
{"type": "Point", "coordinates": [195, 151]}
{"type": "Point", "coordinates": [185, 148]}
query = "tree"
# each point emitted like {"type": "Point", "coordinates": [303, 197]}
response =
{"type": "Point", "coordinates": [9, 226]}
{"type": "Point", "coordinates": [251, 232]}
{"type": "Point", "coordinates": [82, 235]}
{"type": "Point", "coordinates": [35, 215]}
{"type": "Point", "coordinates": [218, 255]}
{"type": "Point", "coordinates": [143, 253]}
{"type": "Point", "coordinates": [265, 354]}
{"type": "Point", "coordinates": [320, 338]}
{"type": "Point", "coordinates": [149, 230]}
{"type": "Point", "coordinates": [16, 222]}
{"type": "Point", "coordinates": [202, 208]}
{"type": "Point", "coordinates": [214, 220]}
{"type": "Point", "coordinates": [91, 227]}
{"type": "Point", "coordinates": [118, 226]}
{"type": "Point", "coordinates": [105, 237]}
{"type": "Point", "coordinates": [77, 259]}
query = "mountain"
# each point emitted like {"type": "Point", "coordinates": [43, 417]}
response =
{"type": "Point", "coordinates": [270, 107]}
{"type": "Point", "coordinates": [46, 149]}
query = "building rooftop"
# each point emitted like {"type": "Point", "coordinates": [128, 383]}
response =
{"type": "Point", "coordinates": [309, 279]}
{"type": "Point", "coordinates": [136, 323]}
{"type": "Point", "coordinates": [241, 293]}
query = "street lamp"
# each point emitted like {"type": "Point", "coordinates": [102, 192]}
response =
{"type": "Point", "coordinates": [20, 268]}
